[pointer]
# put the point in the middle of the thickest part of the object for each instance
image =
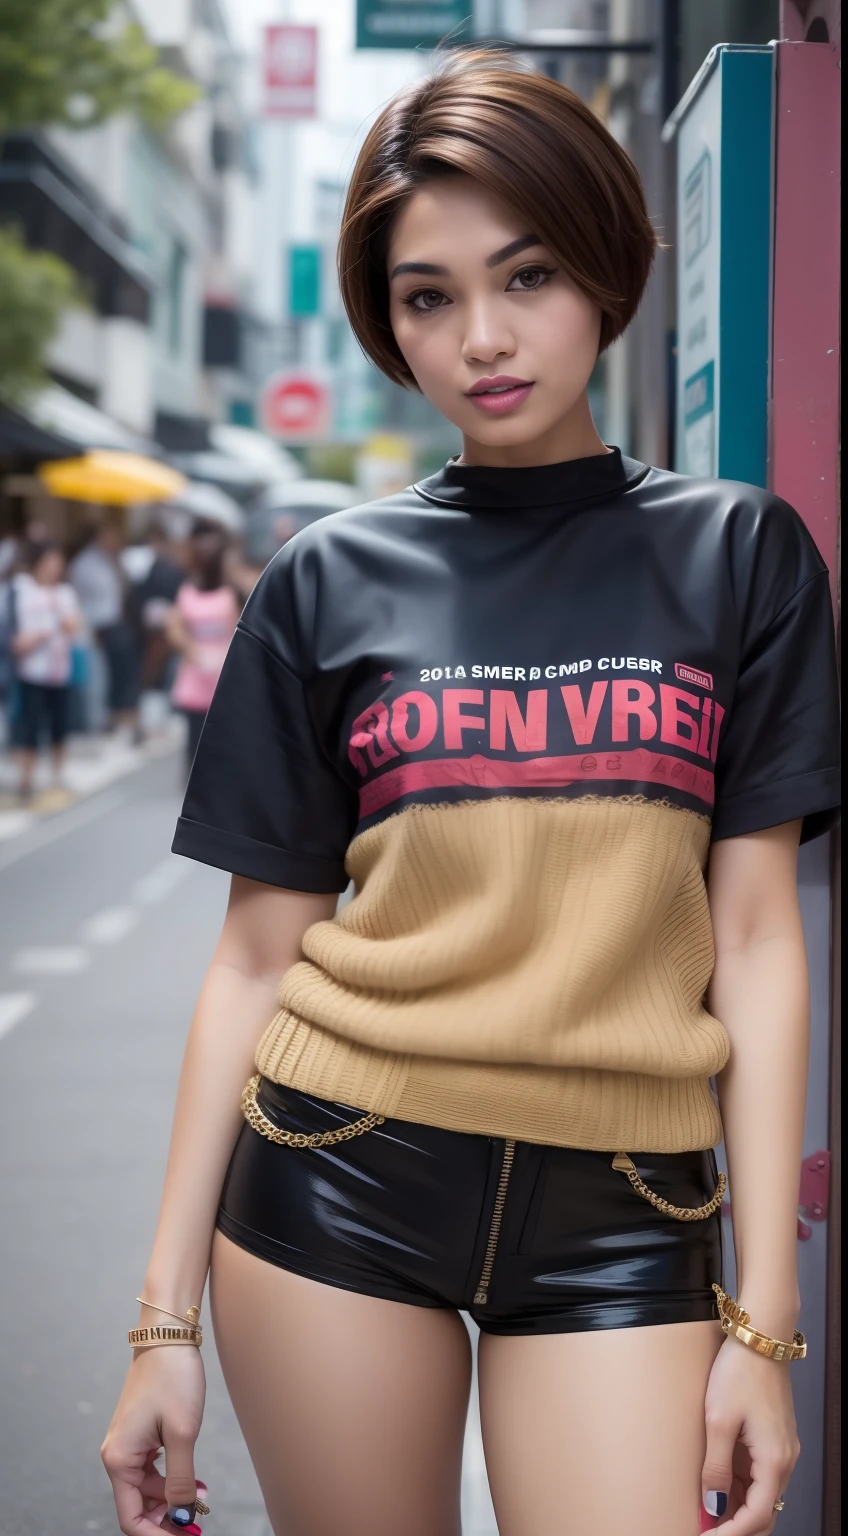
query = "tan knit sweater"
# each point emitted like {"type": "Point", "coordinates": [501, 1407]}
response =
{"type": "Point", "coordinates": [530, 968]}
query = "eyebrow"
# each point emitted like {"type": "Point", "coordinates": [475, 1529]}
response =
{"type": "Point", "coordinates": [523, 243]}
{"type": "Point", "coordinates": [424, 268]}
{"type": "Point", "coordinates": [430, 269]}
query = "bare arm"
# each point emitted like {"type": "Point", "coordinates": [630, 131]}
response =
{"type": "Point", "coordinates": [162, 1400]}
{"type": "Point", "coordinates": [176, 632]}
{"type": "Point", "coordinates": [28, 640]}
{"type": "Point", "coordinates": [759, 991]}
{"type": "Point", "coordinates": [261, 938]}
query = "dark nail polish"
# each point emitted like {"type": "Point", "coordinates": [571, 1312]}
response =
{"type": "Point", "coordinates": [182, 1515]}
{"type": "Point", "coordinates": [715, 1502]}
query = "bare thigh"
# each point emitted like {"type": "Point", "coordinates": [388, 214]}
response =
{"type": "Point", "coordinates": [353, 1408]}
{"type": "Point", "coordinates": [597, 1434]}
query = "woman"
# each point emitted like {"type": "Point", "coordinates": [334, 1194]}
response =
{"type": "Point", "coordinates": [512, 704]}
{"type": "Point", "coordinates": [200, 627]}
{"type": "Point", "coordinates": [46, 617]}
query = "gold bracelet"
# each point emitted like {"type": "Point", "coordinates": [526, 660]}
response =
{"type": "Point", "coordinates": [735, 1321]}
{"type": "Point", "coordinates": [190, 1316]}
{"type": "Point", "coordinates": [164, 1333]}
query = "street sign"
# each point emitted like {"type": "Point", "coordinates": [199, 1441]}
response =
{"type": "Point", "coordinates": [304, 281]}
{"type": "Point", "coordinates": [291, 71]}
{"type": "Point", "coordinates": [411, 23]}
{"type": "Point", "coordinates": [724, 177]}
{"type": "Point", "coordinates": [296, 407]}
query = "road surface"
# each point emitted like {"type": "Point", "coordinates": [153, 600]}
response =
{"type": "Point", "coordinates": [105, 937]}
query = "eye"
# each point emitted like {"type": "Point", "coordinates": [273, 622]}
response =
{"type": "Point", "coordinates": [529, 278]}
{"type": "Point", "coordinates": [425, 300]}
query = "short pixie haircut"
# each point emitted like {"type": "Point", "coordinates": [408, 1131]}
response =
{"type": "Point", "coordinates": [531, 142]}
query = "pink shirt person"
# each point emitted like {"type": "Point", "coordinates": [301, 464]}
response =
{"type": "Point", "coordinates": [208, 619]}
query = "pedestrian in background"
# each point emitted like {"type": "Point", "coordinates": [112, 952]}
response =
{"type": "Point", "coordinates": [101, 586]}
{"type": "Point", "coordinates": [200, 626]}
{"type": "Point", "coordinates": [155, 577]}
{"type": "Point", "coordinates": [47, 617]}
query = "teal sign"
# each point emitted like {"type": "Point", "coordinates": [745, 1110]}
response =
{"type": "Point", "coordinates": [699, 422]}
{"type": "Point", "coordinates": [411, 23]}
{"type": "Point", "coordinates": [304, 281]}
{"type": "Point", "coordinates": [723, 128]}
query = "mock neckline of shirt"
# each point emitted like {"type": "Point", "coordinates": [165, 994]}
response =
{"type": "Point", "coordinates": [484, 487]}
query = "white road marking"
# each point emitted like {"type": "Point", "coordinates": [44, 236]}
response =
{"type": "Point", "coordinates": [50, 831]}
{"type": "Point", "coordinates": [14, 1006]}
{"type": "Point", "coordinates": [51, 960]}
{"type": "Point", "coordinates": [13, 823]}
{"type": "Point", "coordinates": [160, 881]}
{"type": "Point", "coordinates": [108, 926]}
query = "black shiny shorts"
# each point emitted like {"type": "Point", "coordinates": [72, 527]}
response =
{"type": "Point", "coordinates": [527, 1239]}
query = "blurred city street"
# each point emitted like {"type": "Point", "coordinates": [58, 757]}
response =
{"type": "Point", "coordinates": [182, 392]}
{"type": "Point", "coordinates": [105, 939]}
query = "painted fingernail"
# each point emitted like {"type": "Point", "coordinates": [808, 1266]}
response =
{"type": "Point", "coordinates": [202, 1488]}
{"type": "Point", "coordinates": [706, 1522]}
{"type": "Point", "coordinates": [194, 1530]}
{"type": "Point", "coordinates": [715, 1501]}
{"type": "Point", "coordinates": [182, 1515]}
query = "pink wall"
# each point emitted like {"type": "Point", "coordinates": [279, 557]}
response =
{"type": "Point", "coordinates": [804, 418]}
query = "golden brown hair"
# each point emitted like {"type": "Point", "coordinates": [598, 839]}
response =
{"type": "Point", "coordinates": [532, 143]}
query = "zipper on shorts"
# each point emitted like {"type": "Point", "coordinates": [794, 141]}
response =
{"type": "Point", "coordinates": [481, 1295]}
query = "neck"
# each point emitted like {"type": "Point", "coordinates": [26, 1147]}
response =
{"type": "Point", "coordinates": [574, 436]}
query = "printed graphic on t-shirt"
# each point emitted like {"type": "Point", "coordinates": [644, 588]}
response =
{"type": "Point", "coordinates": [610, 725]}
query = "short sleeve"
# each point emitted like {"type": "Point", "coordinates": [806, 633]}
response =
{"type": "Point", "coordinates": [778, 757]}
{"type": "Point", "coordinates": [264, 798]}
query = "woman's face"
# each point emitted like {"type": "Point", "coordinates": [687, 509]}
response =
{"type": "Point", "coordinates": [49, 569]}
{"type": "Point", "coordinates": [207, 550]}
{"type": "Point", "coordinates": [495, 334]}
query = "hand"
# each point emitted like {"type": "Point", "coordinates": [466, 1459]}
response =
{"type": "Point", "coordinates": [161, 1404]}
{"type": "Point", "coordinates": [752, 1443]}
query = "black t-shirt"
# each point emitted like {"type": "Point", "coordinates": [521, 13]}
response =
{"type": "Point", "coordinates": [594, 627]}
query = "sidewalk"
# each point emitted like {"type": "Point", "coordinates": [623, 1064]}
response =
{"type": "Point", "coordinates": [93, 762]}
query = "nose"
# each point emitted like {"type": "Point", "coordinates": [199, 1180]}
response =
{"type": "Point", "coordinates": [488, 335]}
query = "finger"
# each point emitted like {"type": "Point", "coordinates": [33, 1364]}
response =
{"type": "Point", "coordinates": [153, 1484]}
{"type": "Point", "coordinates": [126, 1471]}
{"type": "Point", "coordinates": [757, 1516]}
{"type": "Point", "coordinates": [129, 1505]}
{"type": "Point", "coordinates": [717, 1471]}
{"type": "Point", "coordinates": [180, 1481]}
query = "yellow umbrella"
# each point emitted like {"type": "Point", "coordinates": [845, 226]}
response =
{"type": "Point", "coordinates": [111, 477]}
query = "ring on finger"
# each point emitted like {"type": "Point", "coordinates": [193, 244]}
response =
{"type": "Point", "coordinates": [779, 1505]}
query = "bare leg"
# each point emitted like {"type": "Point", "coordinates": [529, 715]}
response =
{"type": "Point", "coordinates": [597, 1434]}
{"type": "Point", "coordinates": [353, 1408]}
{"type": "Point", "coordinates": [57, 760]}
{"type": "Point", "coordinates": [26, 764]}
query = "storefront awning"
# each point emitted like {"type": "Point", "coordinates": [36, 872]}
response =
{"type": "Point", "coordinates": [56, 410]}
{"type": "Point", "coordinates": [23, 444]}
{"type": "Point", "coordinates": [112, 479]}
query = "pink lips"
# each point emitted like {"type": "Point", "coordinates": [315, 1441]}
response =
{"type": "Point", "coordinates": [500, 394]}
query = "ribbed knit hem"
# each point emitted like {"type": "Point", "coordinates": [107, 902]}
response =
{"type": "Point", "coordinates": [561, 1107]}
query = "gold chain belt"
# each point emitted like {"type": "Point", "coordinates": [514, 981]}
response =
{"type": "Point", "coordinates": [626, 1165]}
{"type": "Point", "coordinates": [254, 1116]}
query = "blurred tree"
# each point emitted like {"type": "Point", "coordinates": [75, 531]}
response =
{"type": "Point", "coordinates": [35, 290]}
{"type": "Point", "coordinates": [68, 61]}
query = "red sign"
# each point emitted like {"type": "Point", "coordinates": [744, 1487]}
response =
{"type": "Point", "coordinates": [296, 407]}
{"type": "Point", "coordinates": [291, 71]}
